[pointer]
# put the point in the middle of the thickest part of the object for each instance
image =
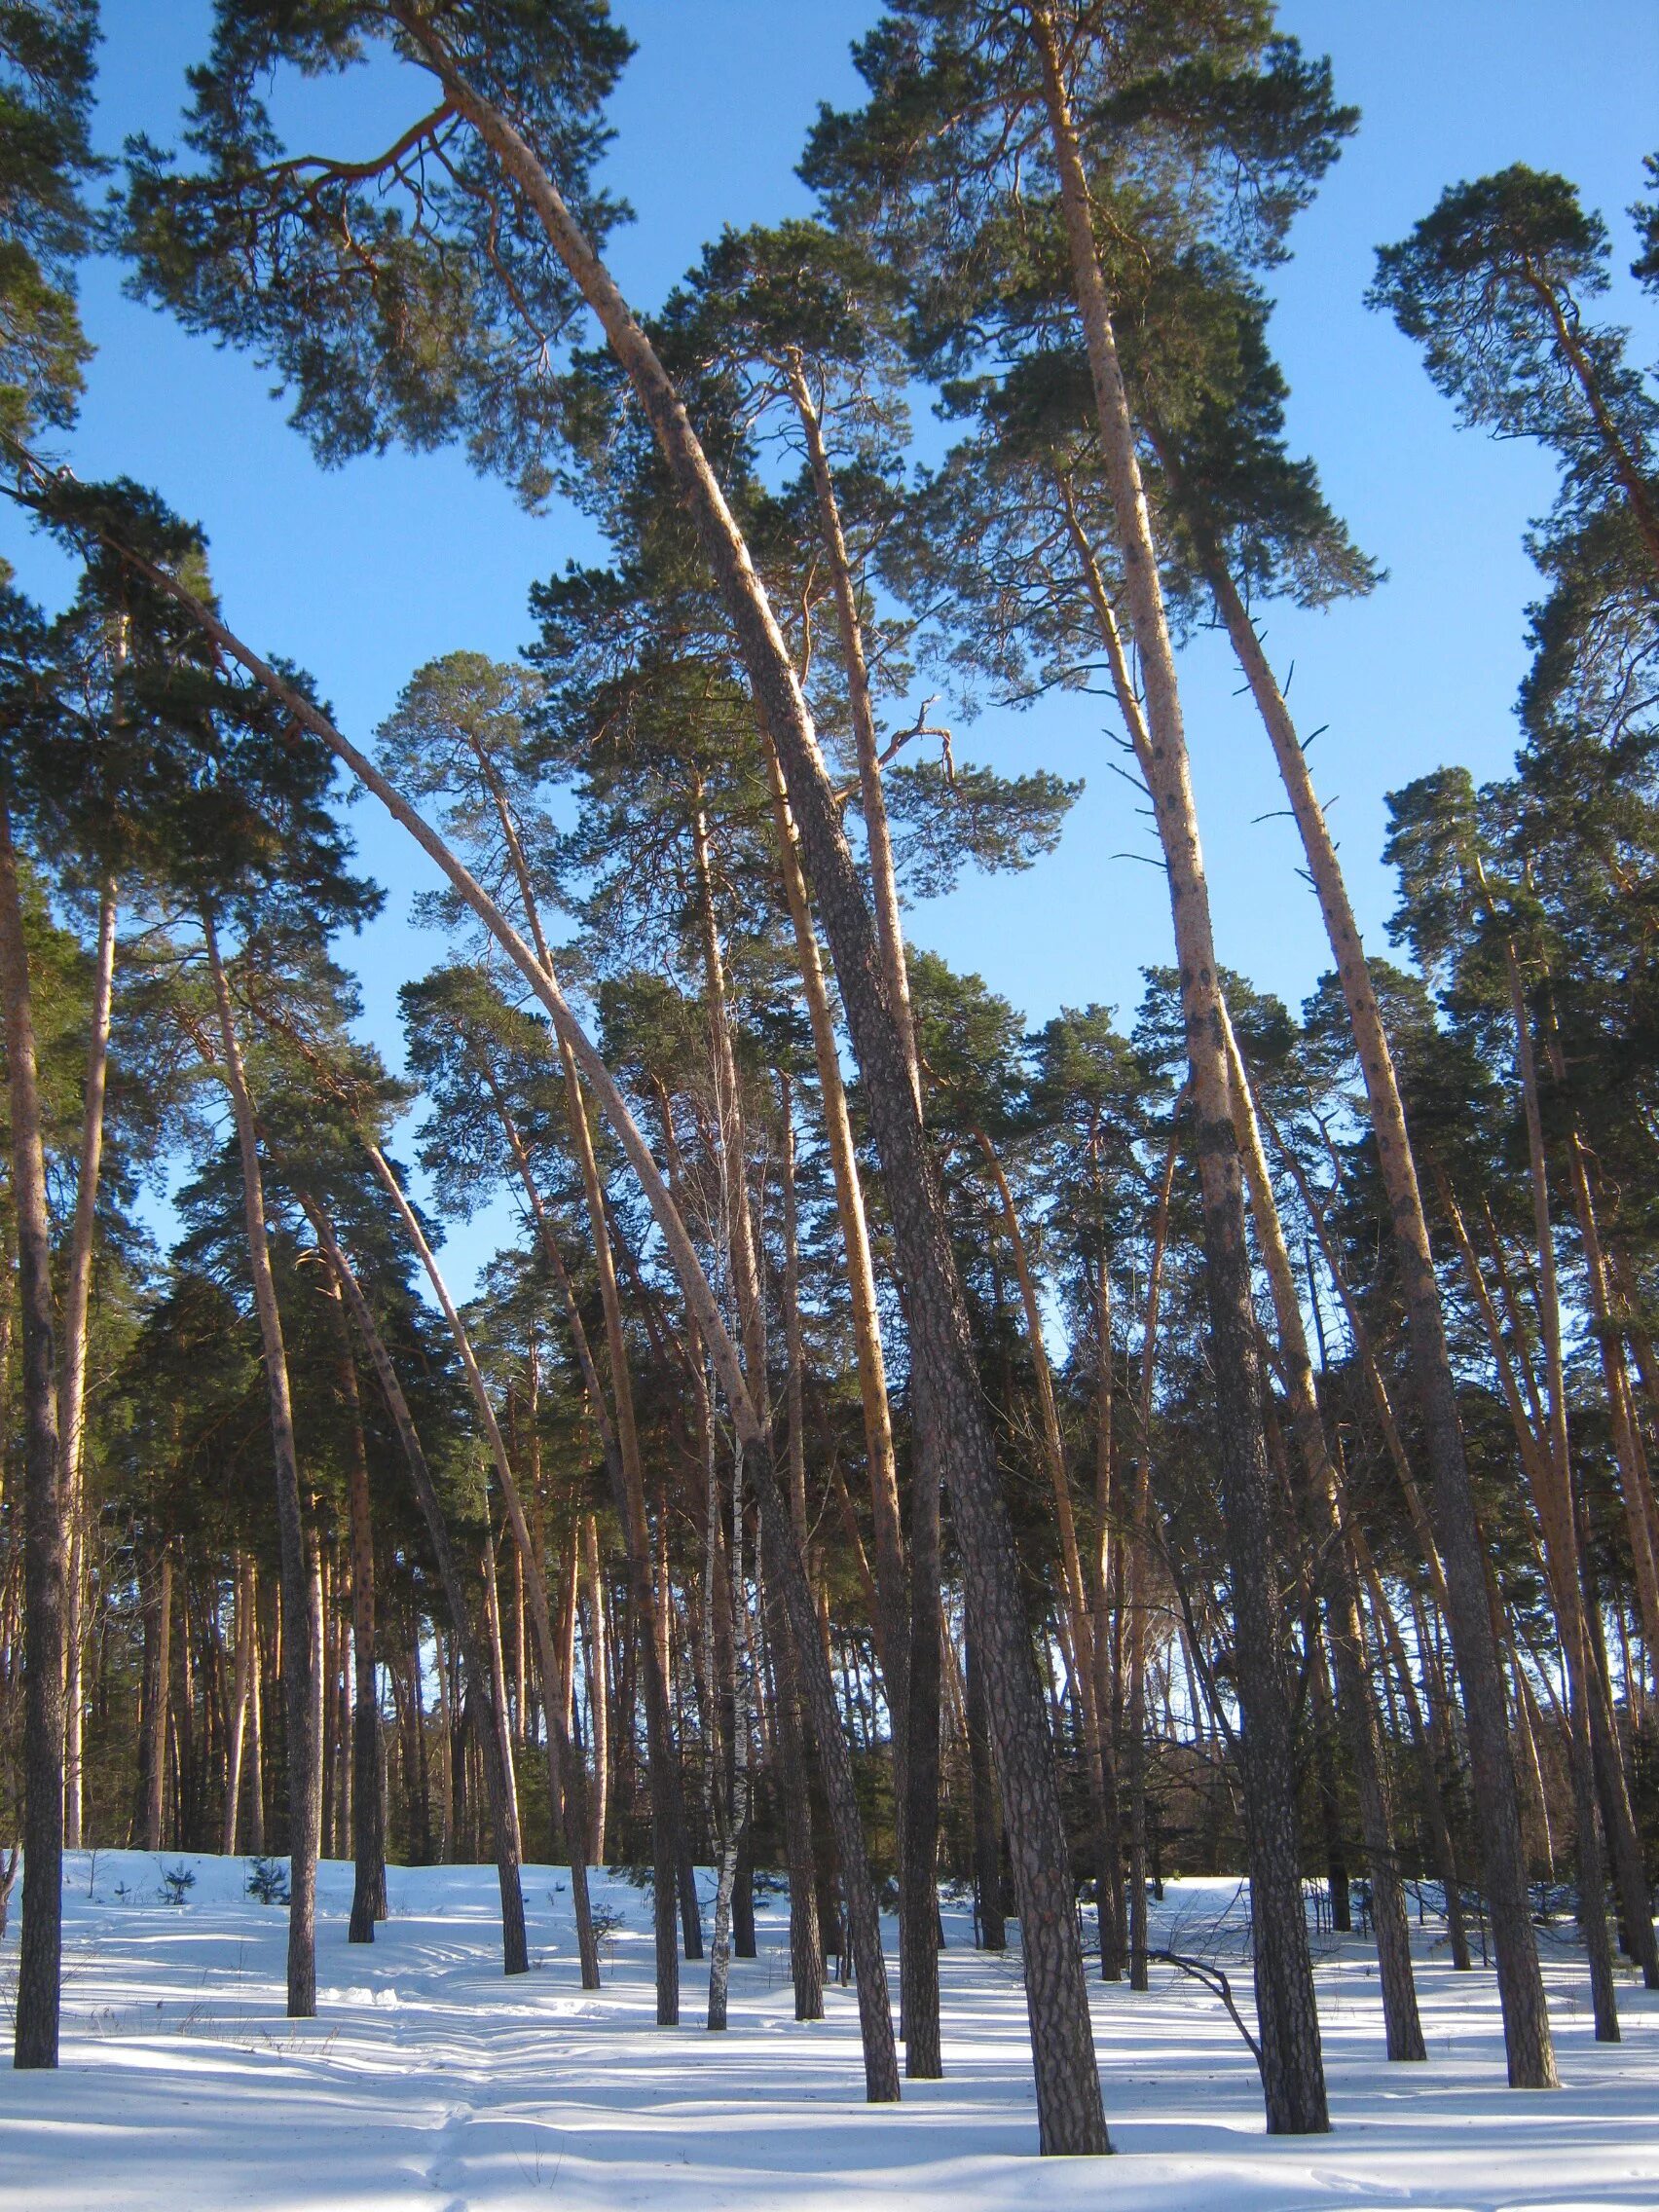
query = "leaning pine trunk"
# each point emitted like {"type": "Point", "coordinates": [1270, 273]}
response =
{"type": "Point", "coordinates": [1519, 1982]}
{"type": "Point", "coordinates": [302, 1625]}
{"type": "Point", "coordinates": [41, 1943]}
{"type": "Point", "coordinates": [1070, 2094]}
{"type": "Point", "coordinates": [950, 1405]}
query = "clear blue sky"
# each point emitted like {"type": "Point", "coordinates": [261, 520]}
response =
{"type": "Point", "coordinates": [362, 574]}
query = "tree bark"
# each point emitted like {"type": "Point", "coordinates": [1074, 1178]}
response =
{"type": "Point", "coordinates": [72, 1373]}
{"type": "Point", "coordinates": [40, 1949]}
{"type": "Point", "coordinates": [1525, 2017]}
{"type": "Point", "coordinates": [1292, 2066]}
{"type": "Point", "coordinates": [302, 1625]}
{"type": "Point", "coordinates": [1324, 1499]}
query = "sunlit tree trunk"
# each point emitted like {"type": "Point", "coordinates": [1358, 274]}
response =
{"type": "Point", "coordinates": [72, 1373]}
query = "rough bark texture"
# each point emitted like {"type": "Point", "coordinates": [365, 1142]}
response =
{"type": "Point", "coordinates": [41, 1940]}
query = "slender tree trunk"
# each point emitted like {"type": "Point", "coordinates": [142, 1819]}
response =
{"type": "Point", "coordinates": [161, 1705]}
{"type": "Point", "coordinates": [1549, 1471]}
{"type": "Point", "coordinates": [1080, 1614]}
{"type": "Point", "coordinates": [515, 1955]}
{"type": "Point", "coordinates": [949, 1405]}
{"type": "Point", "coordinates": [302, 1625]}
{"type": "Point", "coordinates": [235, 1729]}
{"type": "Point", "coordinates": [1292, 2067]}
{"type": "Point", "coordinates": [41, 1943]}
{"type": "Point", "coordinates": [498, 1680]}
{"type": "Point", "coordinates": [1140, 1562]}
{"type": "Point", "coordinates": [1521, 1989]}
{"type": "Point", "coordinates": [72, 1373]}
{"type": "Point", "coordinates": [737, 1802]}
{"type": "Point", "coordinates": [1345, 1633]}
{"type": "Point", "coordinates": [368, 1835]}
{"type": "Point", "coordinates": [892, 1613]}
{"type": "Point", "coordinates": [599, 1688]}
{"type": "Point", "coordinates": [807, 1946]}
{"type": "Point", "coordinates": [255, 1721]}
{"type": "Point", "coordinates": [1109, 1848]}
{"type": "Point", "coordinates": [566, 1788]}
{"type": "Point", "coordinates": [889, 923]}
{"type": "Point", "coordinates": [987, 1818]}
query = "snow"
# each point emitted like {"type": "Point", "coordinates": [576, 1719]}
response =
{"type": "Point", "coordinates": [429, 2083]}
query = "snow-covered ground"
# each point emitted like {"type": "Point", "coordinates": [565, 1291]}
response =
{"type": "Point", "coordinates": [429, 2083]}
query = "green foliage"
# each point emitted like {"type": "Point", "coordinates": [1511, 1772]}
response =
{"type": "Point", "coordinates": [408, 298]}
{"type": "Point", "coordinates": [1493, 284]}
{"type": "Point", "coordinates": [45, 159]}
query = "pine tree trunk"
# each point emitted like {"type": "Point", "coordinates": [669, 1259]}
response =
{"type": "Point", "coordinates": [566, 1788]}
{"type": "Point", "coordinates": [515, 1955]}
{"type": "Point", "coordinates": [892, 1611]}
{"type": "Point", "coordinates": [368, 1836]}
{"type": "Point", "coordinates": [41, 1943]}
{"type": "Point", "coordinates": [987, 1818]}
{"type": "Point", "coordinates": [1521, 1989]}
{"type": "Point", "coordinates": [918, 1927]}
{"type": "Point", "coordinates": [1292, 2067]}
{"type": "Point", "coordinates": [255, 1722]}
{"type": "Point", "coordinates": [599, 1688]}
{"type": "Point", "coordinates": [303, 1627]}
{"type": "Point", "coordinates": [235, 1729]}
{"type": "Point", "coordinates": [160, 1706]}
{"type": "Point", "coordinates": [496, 1657]}
{"type": "Point", "coordinates": [1070, 2117]}
{"type": "Point", "coordinates": [72, 1374]}
{"type": "Point", "coordinates": [1324, 1501]}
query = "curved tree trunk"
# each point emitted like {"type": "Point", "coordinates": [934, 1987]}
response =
{"type": "Point", "coordinates": [949, 1403]}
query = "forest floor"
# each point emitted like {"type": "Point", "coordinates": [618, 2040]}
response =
{"type": "Point", "coordinates": [428, 2084]}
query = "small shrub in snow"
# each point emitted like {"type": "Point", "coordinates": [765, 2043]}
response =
{"type": "Point", "coordinates": [268, 1881]}
{"type": "Point", "coordinates": [177, 1882]}
{"type": "Point", "coordinates": [608, 1920]}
